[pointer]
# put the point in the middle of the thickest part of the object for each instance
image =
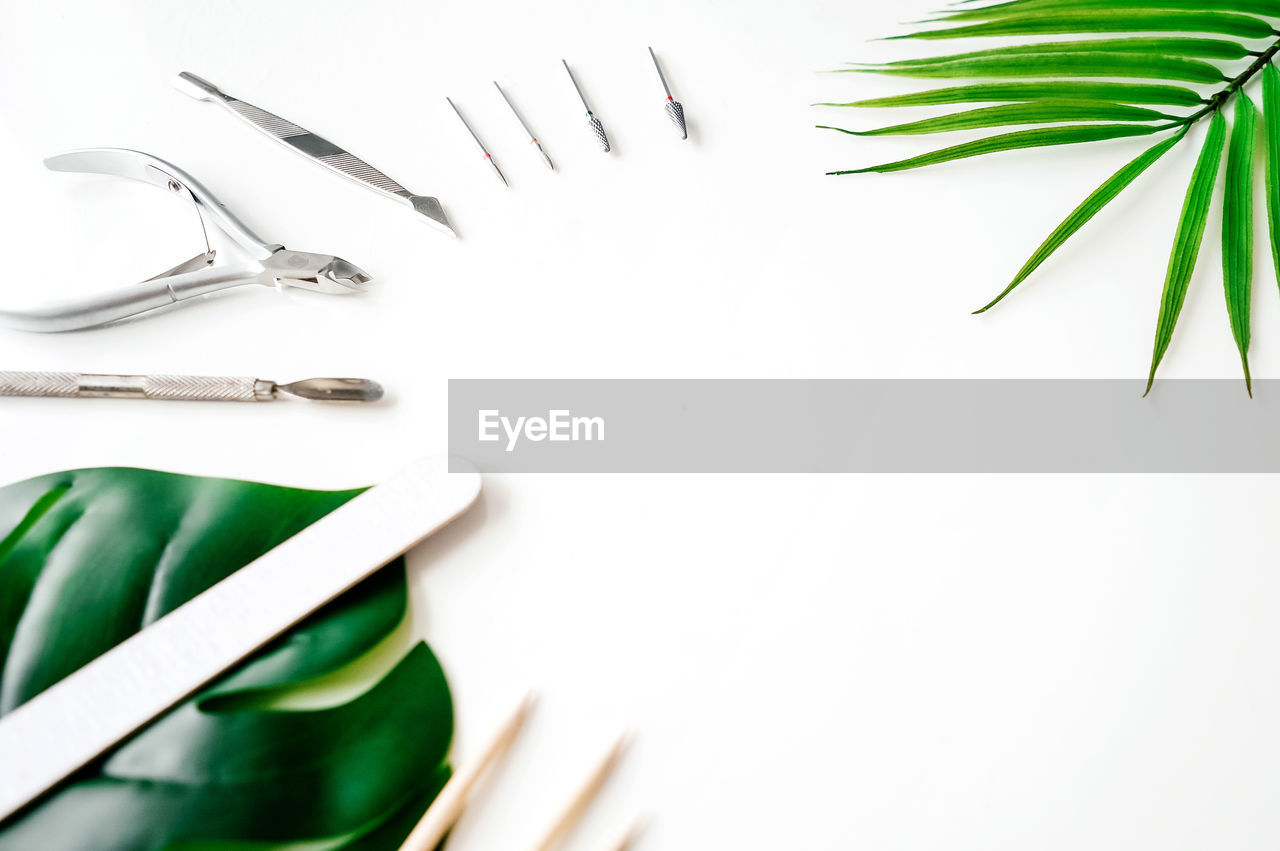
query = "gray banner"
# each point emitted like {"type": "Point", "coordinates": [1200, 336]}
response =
{"type": "Point", "coordinates": [864, 426]}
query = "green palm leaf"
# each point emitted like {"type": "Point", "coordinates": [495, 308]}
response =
{"type": "Point", "coordinates": [1101, 197]}
{"type": "Point", "coordinates": [1265, 8]}
{"type": "Point", "coordinates": [1094, 63]}
{"type": "Point", "coordinates": [1210, 48]}
{"type": "Point", "coordinates": [1237, 228]}
{"type": "Point", "coordinates": [1058, 90]}
{"type": "Point", "coordinates": [1040, 112]}
{"type": "Point", "coordinates": [1141, 55]}
{"type": "Point", "coordinates": [1186, 246]}
{"type": "Point", "coordinates": [1271, 108]}
{"type": "Point", "coordinates": [1040, 138]}
{"type": "Point", "coordinates": [1103, 19]}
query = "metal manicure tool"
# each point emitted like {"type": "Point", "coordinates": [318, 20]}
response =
{"type": "Point", "coordinates": [672, 107]}
{"type": "Point", "coordinates": [532, 138]}
{"type": "Point", "coordinates": [592, 122]}
{"type": "Point", "coordinates": [271, 264]}
{"type": "Point", "coordinates": [316, 148]}
{"type": "Point", "coordinates": [488, 156]}
{"type": "Point", "coordinates": [184, 388]}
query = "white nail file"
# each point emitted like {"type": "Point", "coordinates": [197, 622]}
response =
{"type": "Point", "coordinates": [83, 716]}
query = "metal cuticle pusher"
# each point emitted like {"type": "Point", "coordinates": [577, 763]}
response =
{"type": "Point", "coordinates": [317, 149]}
{"type": "Point", "coordinates": [184, 388]}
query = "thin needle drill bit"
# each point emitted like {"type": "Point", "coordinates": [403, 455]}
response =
{"type": "Point", "coordinates": [532, 138]}
{"type": "Point", "coordinates": [592, 121]}
{"type": "Point", "coordinates": [673, 108]}
{"type": "Point", "coordinates": [488, 156]}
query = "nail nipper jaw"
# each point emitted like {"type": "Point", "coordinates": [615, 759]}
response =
{"type": "Point", "coordinates": [320, 273]}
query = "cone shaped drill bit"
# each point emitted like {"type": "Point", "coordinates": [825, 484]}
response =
{"type": "Point", "coordinates": [598, 129]}
{"type": "Point", "coordinates": [676, 113]}
{"type": "Point", "coordinates": [594, 123]}
{"type": "Point", "coordinates": [672, 107]}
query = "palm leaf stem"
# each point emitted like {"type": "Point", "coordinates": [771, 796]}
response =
{"type": "Point", "coordinates": [1214, 103]}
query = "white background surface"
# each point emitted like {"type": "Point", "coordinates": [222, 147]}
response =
{"type": "Point", "coordinates": [842, 662]}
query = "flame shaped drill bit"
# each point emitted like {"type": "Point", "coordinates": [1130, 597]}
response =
{"type": "Point", "coordinates": [672, 107]}
{"type": "Point", "coordinates": [592, 122]}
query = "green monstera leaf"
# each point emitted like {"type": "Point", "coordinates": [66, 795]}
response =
{"type": "Point", "coordinates": [89, 557]}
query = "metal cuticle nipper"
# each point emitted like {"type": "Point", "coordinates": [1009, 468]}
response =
{"type": "Point", "coordinates": [270, 264]}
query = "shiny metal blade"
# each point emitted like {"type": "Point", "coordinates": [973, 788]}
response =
{"type": "Point", "coordinates": [545, 158]}
{"type": "Point", "coordinates": [334, 389]}
{"type": "Point", "coordinates": [497, 170]}
{"type": "Point", "coordinates": [83, 716]}
{"type": "Point", "coordinates": [430, 209]}
{"type": "Point", "coordinates": [346, 274]}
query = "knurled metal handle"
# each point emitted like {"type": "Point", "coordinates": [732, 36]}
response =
{"type": "Point", "coordinates": [161, 387]}
{"type": "Point", "coordinates": [64, 384]}
{"type": "Point", "coordinates": [181, 388]}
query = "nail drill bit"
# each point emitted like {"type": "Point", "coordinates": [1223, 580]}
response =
{"type": "Point", "coordinates": [672, 107]}
{"type": "Point", "coordinates": [592, 122]}
{"type": "Point", "coordinates": [488, 156]}
{"type": "Point", "coordinates": [532, 138]}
